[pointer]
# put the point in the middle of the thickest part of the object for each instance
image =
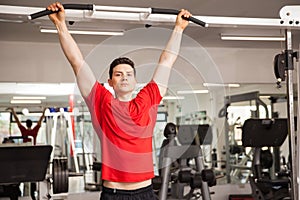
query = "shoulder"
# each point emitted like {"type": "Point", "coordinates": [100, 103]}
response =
{"type": "Point", "coordinates": [151, 88]}
{"type": "Point", "coordinates": [21, 127]}
{"type": "Point", "coordinates": [98, 93]}
{"type": "Point", "coordinates": [150, 93]}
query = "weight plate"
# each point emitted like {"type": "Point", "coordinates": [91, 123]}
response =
{"type": "Point", "coordinates": [55, 183]}
{"type": "Point", "coordinates": [60, 176]}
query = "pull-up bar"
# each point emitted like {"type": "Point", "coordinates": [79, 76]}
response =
{"type": "Point", "coordinates": [289, 16]}
{"type": "Point", "coordinates": [92, 7]}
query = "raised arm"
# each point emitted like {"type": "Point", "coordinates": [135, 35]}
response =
{"type": "Point", "coordinates": [170, 53]}
{"type": "Point", "coordinates": [42, 117]}
{"type": "Point", "coordinates": [85, 77]}
{"type": "Point", "coordinates": [67, 42]}
{"type": "Point", "coordinates": [15, 115]}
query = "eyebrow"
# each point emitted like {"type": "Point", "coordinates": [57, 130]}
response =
{"type": "Point", "coordinates": [131, 71]}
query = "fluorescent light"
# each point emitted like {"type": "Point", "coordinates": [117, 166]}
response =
{"type": "Point", "coordinates": [173, 97]}
{"type": "Point", "coordinates": [265, 96]}
{"type": "Point", "coordinates": [11, 20]}
{"type": "Point", "coordinates": [192, 91]}
{"type": "Point", "coordinates": [84, 32]}
{"type": "Point", "coordinates": [28, 97]}
{"type": "Point", "coordinates": [47, 89]}
{"type": "Point", "coordinates": [252, 38]}
{"type": "Point", "coordinates": [17, 101]}
{"type": "Point", "coordinates": [234, 85]}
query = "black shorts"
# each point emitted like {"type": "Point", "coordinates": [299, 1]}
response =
{"type": "Point", "coordinates": [145, 193]}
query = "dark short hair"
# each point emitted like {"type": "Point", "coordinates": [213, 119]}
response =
{"type": "Point", "coordinates": [118, 61]}
{"type": "Point", "coordinates": [28, 123]}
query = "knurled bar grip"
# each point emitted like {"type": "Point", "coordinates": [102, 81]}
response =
{"type": "Point", "coordinates": [66, 6]}
{"type": "Point", "coordinates": [175, 12]}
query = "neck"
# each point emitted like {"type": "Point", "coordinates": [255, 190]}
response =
{"type": "Point", "coordinates": [124, 97]}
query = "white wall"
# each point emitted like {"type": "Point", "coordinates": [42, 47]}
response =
{"type": "Point", "coordinates": [245, 65]}
{"type": "Point", "coordinates": [45, 62]}
{"type": "Point", "coordinates": [34, 62]}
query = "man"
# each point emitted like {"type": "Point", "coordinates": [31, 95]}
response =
{"type": "Point", "coordinates": [29, 131]}
{"type": "Point", "coordinates": [124, 124]}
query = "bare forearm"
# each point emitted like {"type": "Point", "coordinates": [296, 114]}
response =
{"type": "Point", "coordinates": [170, 53]}
{"type": "Point", "coordinates": [16, 117]}
{"type": "Point", "coordinates": [70, 48]}
{"type": "Point", "coordinates": [85, 76]}
{"type": "Point", "coordinates": [167, 60]}
{"type": "Point", "coordinates": [42, 117]}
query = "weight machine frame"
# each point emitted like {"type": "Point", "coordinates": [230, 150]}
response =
{"type": "Point", "coordinates": [67, 117]}
{"type": "Point", "coordinates": [251, 96]}
{"type": "Point", "coordinates": [289, 20]}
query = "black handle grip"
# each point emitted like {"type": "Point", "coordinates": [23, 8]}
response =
{"type": "Point", "coordinates": [164, 11]}
{"type": "Point", "coordinates": [18, 137]}
{"type": "Point", "coordinates": [66, 6]}
{"type": "Point", "coordinates": [175, 12]}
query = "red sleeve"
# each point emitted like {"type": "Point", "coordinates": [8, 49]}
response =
{"type": "Point", "coordinates": [95, 99]}
{"type": "Point", "coordinates": [96, 95]}
{"type": "Point", "coordinates": [150, 93]}
{"type": "Point", "coordinates": [148, 98]}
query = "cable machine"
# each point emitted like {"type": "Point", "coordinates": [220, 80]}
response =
{"type": "Point", "coordinates": [251, 96]}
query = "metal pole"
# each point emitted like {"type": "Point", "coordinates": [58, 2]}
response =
{"type": "Point", "coordinates": [290, 107]}
{"type": "Point", "coordinates": [227, 147]}
{"type": "Point", "coordinates": [52, 141]}
{"type": "Point", "coordinates": [298, 128]}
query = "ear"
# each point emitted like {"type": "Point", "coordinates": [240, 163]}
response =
{"type": "Point", "coordinates": [110, 82]}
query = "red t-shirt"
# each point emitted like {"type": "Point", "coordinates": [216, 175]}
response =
{"type": "Point", "coordinates": [32, 132]}
{"type": "Point", "coordinates": [125, 130]}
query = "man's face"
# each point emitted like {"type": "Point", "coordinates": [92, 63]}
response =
{"type": "Point", "coordinates": [123, 80]}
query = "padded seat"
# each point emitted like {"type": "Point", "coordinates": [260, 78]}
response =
{"type": "Point", "coordinates": [258, 133]}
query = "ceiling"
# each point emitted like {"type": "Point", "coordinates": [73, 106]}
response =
{"type": "Point", "coordinates": [210, 37]}
{"type": "Point", "coordinates": [206, 36]}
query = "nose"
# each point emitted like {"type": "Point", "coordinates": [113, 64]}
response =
{"type": "Point", "coordinates": [124, 77]}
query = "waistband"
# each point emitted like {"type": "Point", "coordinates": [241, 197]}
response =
{"type": "Point", "coordinates": [127, 192]}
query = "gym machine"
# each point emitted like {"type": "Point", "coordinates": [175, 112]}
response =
{"type": "Point", "coordinates": [283, 69]}
{"type": "Point", "coordinates": [90, 166]}
{"type": "Point", "coordinates": [229, 148]}
{"type": "Point", "coordinates": [56, 177]}
{"type": "Point", "coordinates": [59, 125]}
{"type": "Point", "coordinates": [266, 133]}
{"type": "Point", "coordinates": [23, 164]}
{"type": "Point", "coordinates": [197, 178]}
{"type": "Point", "coordinates": [61, 121]}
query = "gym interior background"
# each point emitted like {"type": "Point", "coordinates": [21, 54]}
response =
{"type": "Point", "coordinates": [232, 75]}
